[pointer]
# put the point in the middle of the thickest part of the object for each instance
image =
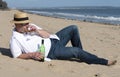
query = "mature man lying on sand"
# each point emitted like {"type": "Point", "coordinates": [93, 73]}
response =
{"type": "Point", "coordinates": [27, 37]}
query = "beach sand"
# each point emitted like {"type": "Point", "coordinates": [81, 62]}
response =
{"type": "Point", "coordinates": [100, 39]}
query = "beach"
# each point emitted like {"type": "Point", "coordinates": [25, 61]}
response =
{"type": "Point", "coordinates": [100, 39]}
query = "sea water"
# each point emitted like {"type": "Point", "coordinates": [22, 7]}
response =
{"type": "Point", "coordinates": [107, 15]}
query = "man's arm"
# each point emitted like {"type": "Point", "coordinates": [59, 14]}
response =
{"type": "Point", "coordinates": [33, 55]}
{"type": "Point", "coordinates": [43, 33]}
{"type": "Point", "coordinates": [40, 32]}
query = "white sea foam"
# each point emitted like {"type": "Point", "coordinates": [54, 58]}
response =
{"type": "Point", "coordinates": [89, 16]}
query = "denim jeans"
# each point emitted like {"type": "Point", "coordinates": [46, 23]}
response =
{"type": "Point", "coordinates": [60, 51]}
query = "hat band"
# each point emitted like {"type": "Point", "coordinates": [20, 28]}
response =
{"type": "Point", "coordinates": [21, 19]}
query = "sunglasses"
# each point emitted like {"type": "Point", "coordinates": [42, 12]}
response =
{"type": "Point", "coordinates": [22, 24]}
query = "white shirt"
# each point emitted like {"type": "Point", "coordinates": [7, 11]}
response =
{"type": "Point", "coordinates": [29, 42]}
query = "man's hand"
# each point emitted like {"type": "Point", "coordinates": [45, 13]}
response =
{"type": "Point", "coordinates": [36, 55]}
{"type": "Point", "coordinates": [31, 28]}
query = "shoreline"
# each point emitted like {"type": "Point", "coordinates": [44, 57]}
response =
{"type": "Point", "coordinates": [84, 20]}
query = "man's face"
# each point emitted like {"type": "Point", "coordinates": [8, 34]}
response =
{"type": "Point", "coordinates": [22, 27]}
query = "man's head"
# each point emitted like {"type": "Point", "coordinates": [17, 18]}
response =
{"type": "Point", "coordinates": [21, 21]}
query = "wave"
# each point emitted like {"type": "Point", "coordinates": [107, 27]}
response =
{"type": "Point", "coordinates": [111, 18]}
{"type": "Point", "coordinates": [105, 19]}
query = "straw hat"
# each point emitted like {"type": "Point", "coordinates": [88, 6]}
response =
{"type": "Point", "coordinates": [20, 17]}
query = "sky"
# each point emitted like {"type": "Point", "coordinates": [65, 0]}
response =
{"type": "Point", "coordinates": [60, 3]}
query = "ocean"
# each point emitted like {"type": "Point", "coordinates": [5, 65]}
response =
{"type": "Point", "coordinates": [106, 15]}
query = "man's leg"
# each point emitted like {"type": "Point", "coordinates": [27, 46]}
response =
{"type": "Point", "coordinates": [67, 53]}
{"type": "Point", "coordinates": [70, 33]}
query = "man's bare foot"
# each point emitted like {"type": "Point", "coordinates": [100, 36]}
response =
{"type": "Point", "coordinates": [113, 62]}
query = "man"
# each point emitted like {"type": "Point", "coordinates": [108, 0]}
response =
{"type": "Point", "coordinates": [26, 39]}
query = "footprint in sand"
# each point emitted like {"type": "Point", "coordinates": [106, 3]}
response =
{"type": "Point", "coordinates": [97, 75]}
{"type": "Point", "coordinates": [24, 68]}
{"type": "Point", "coordinates": [51, 65]}
{"type": "Point", "coordinates": [0, 35]}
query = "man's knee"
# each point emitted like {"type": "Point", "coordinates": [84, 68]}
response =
{"type": "Point", "coordinates": [74, 27]}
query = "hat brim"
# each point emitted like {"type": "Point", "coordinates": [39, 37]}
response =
{"type": "Point", "coordinates": [26, 21]}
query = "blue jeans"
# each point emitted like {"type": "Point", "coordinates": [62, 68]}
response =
{"type": "Point", "coordinates": [60, 51]}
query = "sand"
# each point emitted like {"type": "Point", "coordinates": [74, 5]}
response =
{"type": "Point", "coordinates": [100, 39]}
